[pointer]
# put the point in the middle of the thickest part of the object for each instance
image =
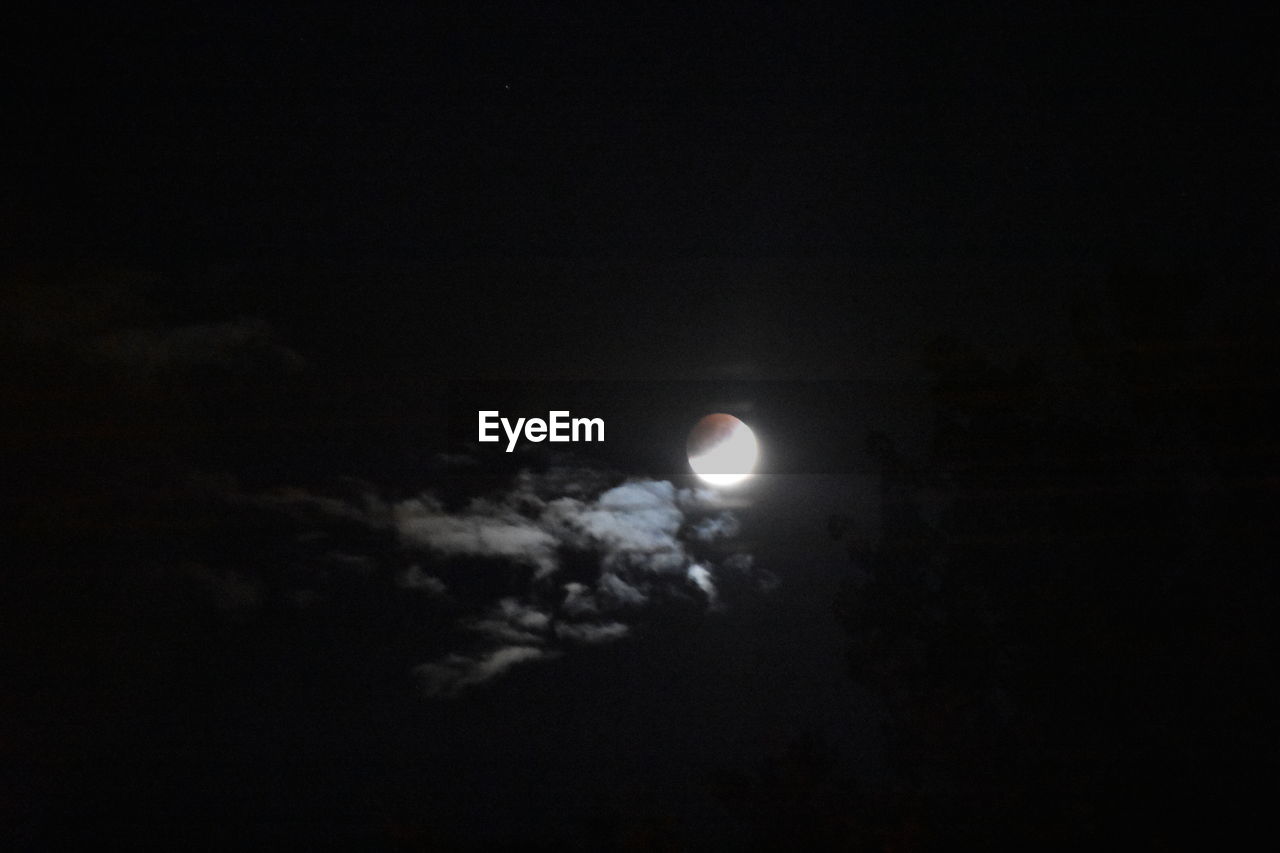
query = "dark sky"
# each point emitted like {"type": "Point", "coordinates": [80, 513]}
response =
{"type": "Point", "coordinates": [974, 276]}
{"type": "Point", "coordinates": [886, 133]}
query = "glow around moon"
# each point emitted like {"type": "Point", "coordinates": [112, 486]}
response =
{"type": "Point", "coordinates": [722, 450]}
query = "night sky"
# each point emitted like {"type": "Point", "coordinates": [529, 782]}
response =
{"type": "Point", "coordinates": [995, 288]}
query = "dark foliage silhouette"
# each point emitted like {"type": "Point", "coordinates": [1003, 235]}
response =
{"type": "Point", "coordinates": [1065, 608]}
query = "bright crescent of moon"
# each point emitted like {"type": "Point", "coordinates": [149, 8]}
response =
{"type": "Point", "coordinates": [722, 450]}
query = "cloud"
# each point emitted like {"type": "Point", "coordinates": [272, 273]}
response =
{"type": "Point", "coordinates": [450, 676]}
{"type": "Point", "coordinates": [640, 535]}
{"type": "Point", "coordinates": [514, 621]}
{"type": "Point", "coordinates": [592, 632]}
{"type": "Point", "coordinates": [701, 577]}
{"type": "Point", "coordinates": [415, 578]}
{"type": "Point", "coordinates": [573, 481]}
{"type": "Point", "coordinates": [619, 593]}
{"type": "Point", "coordinates": [700, 498]}
{"type": "Point", "coordinates": [481, 531]}
{"type": "Point", "coordinates": [363, 507]}
{"type": "Point", "coordinates": [247, 344]}
{"type": "Point", "coordinates": [571, 558]}
{"type": "Point", "coordinates": [722, 526]}
{"type": "Point", "coordinates": [578, 600]}
{"type": "Point", "coordinates": [633, 525]}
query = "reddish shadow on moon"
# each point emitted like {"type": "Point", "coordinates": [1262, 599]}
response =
{"type": "Point", "coordinates": [722, 449]}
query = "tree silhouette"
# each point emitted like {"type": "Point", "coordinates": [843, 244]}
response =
{"type": "Point", "coordinates": [1072, 648]}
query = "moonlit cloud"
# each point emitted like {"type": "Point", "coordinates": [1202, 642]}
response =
{"type": "Point", "coordinates": [722, 526]}
{"type": "Point", "coordinates": [451, 675]}
{"type": "Point", "coordinates": [513, 621]}
{"type": "Point", "coordinates": [701, 578]}
{"type": "Point", "coordinates": [619, 593]}
{"type": "Point", "coordinates": [480, 532]}
{"type": "Point", "coordinates": [592, 632]}
{"type": "Point", "coordinates": [640, 535]}
{"type": "Point", "coordinates": [634, 525]}
{"type": "Point", "coordinates": [578, 600]}
{"type": "Point", "coordinates": [415, 578]}
{"type": "Point", "coordinates": [569, 558]}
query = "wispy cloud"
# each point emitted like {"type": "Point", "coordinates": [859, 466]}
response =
{"type": "Point", "coordinates": [414, 577]}
{"type": "Point", "coordinates": [454, 673]}
{"type": "Point", "coordinates": [247, 344]}
{"type": "Point", "coordinates": [592, 632]}
{"type": "Point", "coordinates": [484, 530]}
{"type": "Point", "coordinates": [513, 621]}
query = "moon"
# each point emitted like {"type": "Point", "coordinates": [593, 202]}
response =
{"type": "Point", "coordinates": [722, 450]}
